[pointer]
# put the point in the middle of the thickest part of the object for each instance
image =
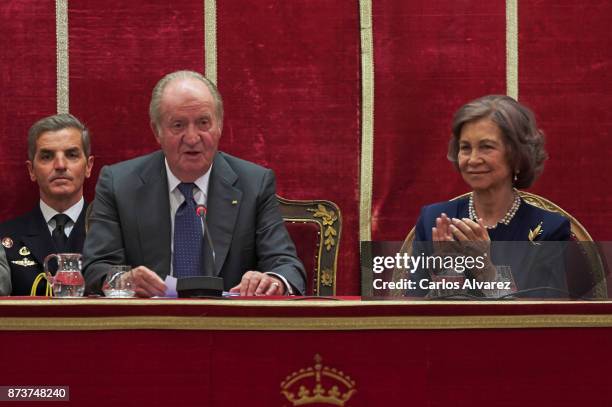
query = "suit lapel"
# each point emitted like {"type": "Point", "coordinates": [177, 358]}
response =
{"type": "Point", "coordinates": [151, 199]}
{"type": "Point", "coordinates": [38, 239]}
{"type": "Point", "coordinates": [223, 204]}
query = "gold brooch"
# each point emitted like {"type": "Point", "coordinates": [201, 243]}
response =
{"type": "Point", "coordinates": [533, 234]}
{"type": "Point", "coordinates": [24, 251]}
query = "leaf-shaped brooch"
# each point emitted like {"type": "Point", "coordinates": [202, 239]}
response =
{"type": "Point", "coordinates": [533, 234]}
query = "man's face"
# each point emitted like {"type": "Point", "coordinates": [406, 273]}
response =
{"type": "Point", "coordinates": [60, 166]}
{"type": "Point", "coordinates": [189, 130]}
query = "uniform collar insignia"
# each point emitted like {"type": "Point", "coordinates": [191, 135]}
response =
{"type": "Point", "coordinates": [25, 262]}
{"type": "Point", "coordinates": [24, 251]}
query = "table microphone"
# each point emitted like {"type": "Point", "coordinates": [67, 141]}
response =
{"type": "Point", "coordinates": [201, 211]}
{"type": "Point", "coordinates": [206, 286]}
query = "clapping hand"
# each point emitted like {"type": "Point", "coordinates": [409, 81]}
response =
{"type": "Point", "coordinates": [464, 237]}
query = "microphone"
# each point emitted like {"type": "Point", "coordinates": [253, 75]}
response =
{"type": "Point", "coordinates": [201, 211]}
{"type": "Point", "coordinates": [208, 285]}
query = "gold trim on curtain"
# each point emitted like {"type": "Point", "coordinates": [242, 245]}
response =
{"type": "Point", "coordinates": [61, 36]}
{"type": "Point", "coordinates": [512, 85]}
{"type": "Point", "coordinates": [210, 40]}
{"type": "Point", "coordinates": [367, 120]}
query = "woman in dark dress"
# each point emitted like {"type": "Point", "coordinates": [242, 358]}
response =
{"type": "Point", "coordinates": [497, 147]}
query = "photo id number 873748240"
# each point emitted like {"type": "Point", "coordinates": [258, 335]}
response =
{"type": "Point", "coordinates": [34, 393]}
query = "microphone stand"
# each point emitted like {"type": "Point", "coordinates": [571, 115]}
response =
{"type": "Point", "coordinates": [201, 211]}
{"type": "Point", "coordinates": [208, 285]}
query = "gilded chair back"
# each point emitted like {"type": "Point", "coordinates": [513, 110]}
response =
{"type": "Point", "coordinates": [315, 227]}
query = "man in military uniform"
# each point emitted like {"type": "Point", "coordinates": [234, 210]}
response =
{"type": "Point", "coordinates": [59, 160]}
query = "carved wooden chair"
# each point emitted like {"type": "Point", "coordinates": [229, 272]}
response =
{"type": "Point", "coordinates": [315, 227]}
{"type": "Point", "coordinates": [591, 281]}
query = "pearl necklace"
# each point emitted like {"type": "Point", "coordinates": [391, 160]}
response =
{"type": "Point", "coordinates": [507, 217]}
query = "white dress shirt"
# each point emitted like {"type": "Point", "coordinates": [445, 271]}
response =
{"type": "Point", "coordinates": [200, 195]}
{"type": "Point", "coordinates": [73, 213]}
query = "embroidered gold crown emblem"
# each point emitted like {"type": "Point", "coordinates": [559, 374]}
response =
{"type": "Point", "coordinates": [318, 384]}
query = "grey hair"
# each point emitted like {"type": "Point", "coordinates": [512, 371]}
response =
{"type": "Point", "coordinates": [55, 123]}
{"type": "Point", "coordinates": [158, 90]}
{"type": "Point", "coordinates": [525, 141]}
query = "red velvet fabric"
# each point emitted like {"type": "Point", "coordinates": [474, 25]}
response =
{"type": "Point", "coordinates": [27, 83]}
{"type": "Point", "coordinates": [566, 76]}
{"type": "Point", "coordinates": [482, 367]}
{"type": "Point", "coordinates": [539, 367]}
{"type": "Point", "coordinates": [291, 77]}
{"type": "Point", "coordinates": [344, 307]}
{"type": "Point", "coordinates": [430, 58]}
{"type": "Point", "coordinates": [117, 54]}
{"type": "Point", "coordinates": [306, 238]}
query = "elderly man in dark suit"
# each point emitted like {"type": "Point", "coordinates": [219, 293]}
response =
{"type": "Point", "coordinates": [59, 161]}
{"type": "Point", "coordinates": [144, 214]}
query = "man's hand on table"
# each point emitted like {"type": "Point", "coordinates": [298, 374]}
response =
{"type": "Point", "coordinates": [253, 283]}
{"type": "Point", "coordinates": [258, 283]}
{"type": "Point", "coordinates": [147, 283]}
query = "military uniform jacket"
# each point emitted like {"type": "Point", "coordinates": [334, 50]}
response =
{"type": "Point", "coordinates": [27, 241]}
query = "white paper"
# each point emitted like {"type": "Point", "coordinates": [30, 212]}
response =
{"type": "Point", "coordinates": [170, 287]}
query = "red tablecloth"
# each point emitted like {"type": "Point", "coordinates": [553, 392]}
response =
{"type": "Point", "coordinates": [264, 352]}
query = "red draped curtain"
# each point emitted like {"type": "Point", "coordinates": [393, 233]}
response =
{"type": "Point", "coordinates": [291, 76]}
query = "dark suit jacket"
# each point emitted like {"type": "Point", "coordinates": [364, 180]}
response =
{"type": "Point", "coordinates": [532, 265]}
{"type": "Point", "coordinates": [31, 243]}
{"type": "Point", "coordinates": [130, 221]}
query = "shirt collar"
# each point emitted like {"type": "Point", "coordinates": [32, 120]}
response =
{"type": "Point", "coordinates": [73, 212]}
{"type": "Point", "coordinates": [173, 181]}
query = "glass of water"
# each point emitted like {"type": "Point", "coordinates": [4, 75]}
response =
{"type": "Point", "coordinates": [504, 281]}
{"type": "Point", "coordinates": [119, 282]}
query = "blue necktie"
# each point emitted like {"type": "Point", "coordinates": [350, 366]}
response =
{"type": "Point", "coordinates": [187, 258]}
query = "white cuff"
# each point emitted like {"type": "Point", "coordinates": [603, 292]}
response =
{"type": "Point", "coordinates": [284, 280]}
